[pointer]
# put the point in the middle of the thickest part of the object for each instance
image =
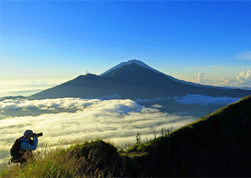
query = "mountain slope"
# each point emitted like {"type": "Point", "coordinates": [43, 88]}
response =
{"type": "Point", "coordinates": [142, 64]}
{"type": "Point", "coordinates": [84, 86]}
{"type": "Point", "coordinates": [216, 145]}
{"type": "Point", "coordinates": [130, 81]}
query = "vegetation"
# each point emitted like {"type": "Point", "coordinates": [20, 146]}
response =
{"type": "Point", "coordinates": [218, 144]}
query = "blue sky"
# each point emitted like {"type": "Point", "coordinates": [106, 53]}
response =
{"type": "Point", "coordinates": [48, 42]}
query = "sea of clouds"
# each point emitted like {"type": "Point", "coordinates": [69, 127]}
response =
{"type": "Point", "coordinates": [115, 120]}
{"type": "Point", "coordinates": [69, 119]}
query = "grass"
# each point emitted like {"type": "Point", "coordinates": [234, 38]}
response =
{"type": "Point", "coordinates": [77, 160]}
{"type": "Point", "coordinates": [47, 163]}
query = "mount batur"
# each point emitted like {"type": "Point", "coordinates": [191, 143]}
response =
{"type": "Point", "coordinates": [133, 80]}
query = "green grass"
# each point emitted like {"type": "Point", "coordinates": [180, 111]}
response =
{"type": "Point", "coordinates": [78, 160]}
{"type": "Point", "coordinates": [46, 163]}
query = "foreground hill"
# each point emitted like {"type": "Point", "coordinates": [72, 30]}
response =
{"type": "Point", "coordinates": [132, 81]}
{"type": "Point", "coordinates": [216, 145]}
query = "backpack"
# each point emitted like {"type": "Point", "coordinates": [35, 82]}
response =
{"type": "Point", "coordinates": [14, 151]}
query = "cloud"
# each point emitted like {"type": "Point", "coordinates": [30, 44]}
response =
{"type": "Point", "coordinates": [244, 55]}
{"type": "Point", "coordinates": [205, 100]}
{"type": "Point", "coordinates": [50, 104]}
{"type": "Point", "coordinates": [114, 120]}
{"type": "Point", "coordinates": [199, 79]}
{"type": "Point", "coordinates": [242, 80]}
{"type": "Point", "coordinates": [86, 72]}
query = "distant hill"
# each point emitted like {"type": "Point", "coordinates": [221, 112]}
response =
{"type": "Point", "coordinates": [131, 81]}
{"type": "Point", "coordinates": [12, 97]}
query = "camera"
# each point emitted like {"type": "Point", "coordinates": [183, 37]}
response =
{"type": "Point", "coordinates": [37, 134]}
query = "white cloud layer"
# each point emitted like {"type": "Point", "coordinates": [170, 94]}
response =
{"type": "Point", "coordinates": [242, 80]}
{"type": "Point", "coordinates": [205, 100]}
{"type": "Point", "coordinates": [47, 104]}
{"type": "Point", "coordinates": [199, 78]}
{"type": "Point", "coordinates": [114, 120]}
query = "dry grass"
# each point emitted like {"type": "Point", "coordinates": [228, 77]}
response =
{"type": "Point", "coordinates": [61, 161]}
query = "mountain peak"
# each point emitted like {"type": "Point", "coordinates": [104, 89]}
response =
{"type": "Point", "coordinates": [133, 71]}
{"type": "Point", "coordinates": [138, 62]}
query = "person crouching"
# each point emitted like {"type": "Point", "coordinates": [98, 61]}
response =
{"type": "Point", "coordinates": [23, 147]}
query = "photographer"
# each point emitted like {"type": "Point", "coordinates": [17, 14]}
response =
{"type": "Point", "coordinates": [22, 148]}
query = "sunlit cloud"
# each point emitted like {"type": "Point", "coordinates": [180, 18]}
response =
{"type": "Point", "coordinates": [115, 120]}
{"type": "Point", "coordinates": [199, 79]}
{"type": "Point", "coordinates": [59, 103]}
{"type": "Point", "coordinates": [86, 72]}
{"type": "Point", "coordinates": [242, 80]}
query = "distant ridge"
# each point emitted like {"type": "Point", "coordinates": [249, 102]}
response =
{"type": "Point", "coordinates": [12, 97]}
